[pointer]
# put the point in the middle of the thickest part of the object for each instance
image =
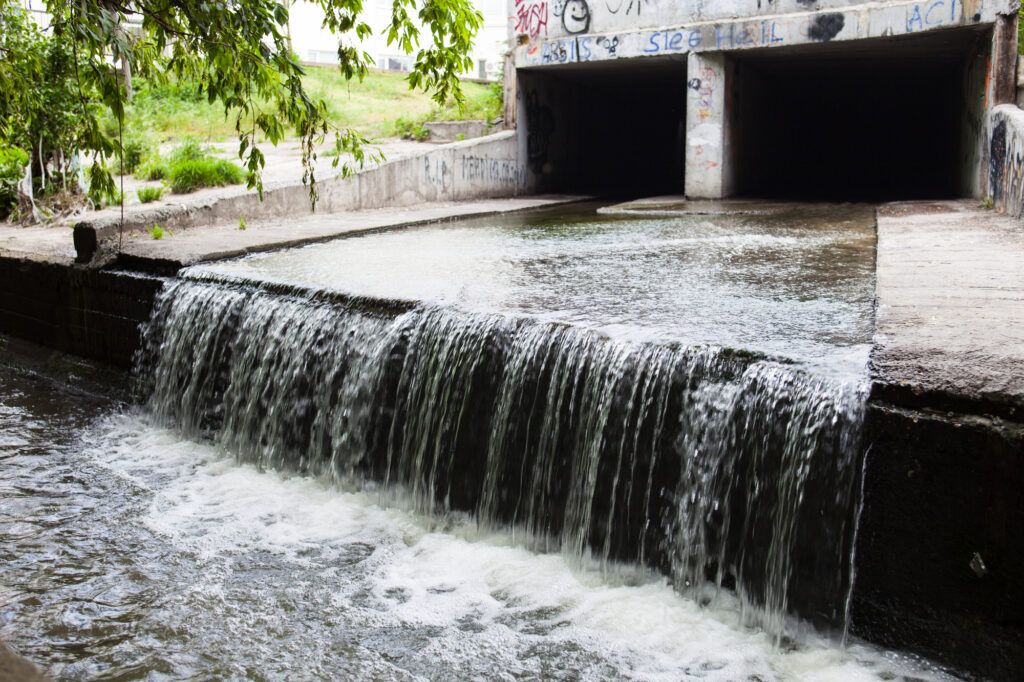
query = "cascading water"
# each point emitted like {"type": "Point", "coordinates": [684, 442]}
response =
{"type": "Point", "coordinates": [722, 468]}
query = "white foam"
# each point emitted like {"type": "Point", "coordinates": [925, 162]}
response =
{"type": "Point", "coordinates": [484, 599]}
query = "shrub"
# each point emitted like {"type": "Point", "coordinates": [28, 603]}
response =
{"type": "Point", "coordinates": [157, 232]}
{"type": "Point", "coordinates": [241, 223]}
{"type": "Point", "coordinates": [409, 129]}
{"type": "Point", "coordinates": [154, 169]}
{"type": "Point", "coordinates": [189, 150]}
{"type": "Point", "coordinates": [149, 194]}
{"type": "Point", "coordinates": [136, 151]}
{"type": "Point", "coordinates": [12, 168]}
{"type": "Point", "coordinates": [188, 175]}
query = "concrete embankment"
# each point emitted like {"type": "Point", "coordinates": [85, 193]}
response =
{"type": "Point", "coordinates": [459, 172]}
{"type": "Point", "coordinates": [940, 558]}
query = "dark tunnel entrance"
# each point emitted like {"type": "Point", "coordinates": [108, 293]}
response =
{"type": "Point", "coordinates": [609, 128]}
{"type": "Point", "coordinates": [871, 120]}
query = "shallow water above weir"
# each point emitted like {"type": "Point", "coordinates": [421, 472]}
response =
{"type": "Point", "coordinates": [791, 281]}
{"type": "Point", "coordinates": [130, 552]}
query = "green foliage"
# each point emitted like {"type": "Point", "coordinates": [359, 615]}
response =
{"type": "Point", "coordinates": [495, 101]}
{"type": "Point", "coordinates": [150, 194]}
{"type": "Point", "coordinates": [1020, 30]}
{"type": "Point", "coordinates": [102, 194]}
{"type": "Point", "coordinates": [157, 232]}
{"type": "Point", "coordinates": [411, 129]}
{"type": "Point", "coordinates": [44, 108]}
{"type": "Point", "coordinates": [54, 88]}
{"type": "Point", "coordinates": [134, 152]}
{"type": "Point", "coordinates": [241, 223]}
{"type": "Point", "coordinates": [160, 169]}
{"type": "Point", "coordinates": [189, 150]}
{"type": "Point", "coordinates": [188, 175]}
{"type": "Point", "coordinates": [12, 169]}
{"type": "Point", "coordinates": [154, 169]}
{"type": "Point", "coordinates": [238, 55]}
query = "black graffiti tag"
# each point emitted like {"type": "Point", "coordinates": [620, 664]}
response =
{"type": "Point", "coordinates": [575, 16]}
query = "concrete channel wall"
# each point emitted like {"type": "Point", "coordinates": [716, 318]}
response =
{"type": "Point", "coordinates": [95, 314]}
{"type": "Point", "coordinates": [485, 167]}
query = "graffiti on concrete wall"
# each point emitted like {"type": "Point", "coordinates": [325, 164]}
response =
{"type": "Point", "coordinates": [626, 6]}
{"type": "Point", "coordinates": [531, 18]}
{"type": "Point", "coordinates": [502, 171]}
{"type": "Point", "coordinates": [825, 27]}
{"type": "Point", "coordinates": [575, 15]}
{"type": "Point", "coordinates": [438, 173]}
{"type": "Point", "coordinates": [935, 13]}
{"type": "Point", "coordinates": [575, 21]}
{"type": "Point", "coordinates": [1006, 164]}
{"type": "Point", "coordinates": [704, 86]}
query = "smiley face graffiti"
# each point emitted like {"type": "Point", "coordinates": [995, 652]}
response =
{"type": "Point", "coordinates": [576, 16]}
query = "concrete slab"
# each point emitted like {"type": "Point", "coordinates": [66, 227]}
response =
{"type": "Point", "coordinates": [950, 319]}
{"type": "Point", "coordinates": [39, 242]}
{"type": "Point", "coordinates": [226, 240]}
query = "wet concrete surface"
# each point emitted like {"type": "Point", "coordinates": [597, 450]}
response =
{"type": "Point", "coordinates": [950, 307]}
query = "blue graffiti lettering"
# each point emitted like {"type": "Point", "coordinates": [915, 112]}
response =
{"type": "Point", "coordinates": [915, 18]}
{"type": "Point", "coordinates": [719, 36]}
{"type": "Point", "coordinates": [584, 49]}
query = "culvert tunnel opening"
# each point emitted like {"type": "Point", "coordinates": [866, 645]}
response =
{"type": "Point", "coordinates": [896, 119]}
{"type": "Point", "coordinates": [614, 129]}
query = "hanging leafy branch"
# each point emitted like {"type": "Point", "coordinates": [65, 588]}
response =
{"type": "Point", "coordinates": [237, 53]}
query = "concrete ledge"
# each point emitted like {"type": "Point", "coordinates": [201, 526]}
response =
{"type": "Point", "coordinates": [949, 329]}
{"type": "Point", "coordinates": [451, 131]}
{"type": "Point", "coordinates": [473, 169]}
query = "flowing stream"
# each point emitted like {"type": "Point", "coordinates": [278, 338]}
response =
{"type": "Point", "coordinates": [503, 479]}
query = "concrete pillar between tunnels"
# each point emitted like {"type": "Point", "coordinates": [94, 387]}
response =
{"type": "Point", "coordinates": [707, 172]}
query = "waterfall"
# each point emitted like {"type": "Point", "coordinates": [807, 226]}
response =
{"type": "Point", "coordinates": [721, 468]}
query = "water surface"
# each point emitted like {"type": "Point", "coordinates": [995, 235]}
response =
{"type": "Point", "coordinates": [130, 552]}
{"type": "Point", "coordinates": [795, 281]}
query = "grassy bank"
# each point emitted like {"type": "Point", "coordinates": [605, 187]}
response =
{"type": "Point", "coordinates": [376, 107]}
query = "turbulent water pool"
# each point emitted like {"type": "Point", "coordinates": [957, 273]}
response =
{"type": "Point", "coordinates": [130, 552]}
{"type": "Point", "coordinates": [466, 488]}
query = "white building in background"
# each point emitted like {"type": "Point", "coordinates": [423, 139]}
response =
{"type": "Point", "coordinates": [315, 44]}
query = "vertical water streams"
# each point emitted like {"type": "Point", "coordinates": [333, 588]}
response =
{"type": "Point", "coordinates": [721, 468]}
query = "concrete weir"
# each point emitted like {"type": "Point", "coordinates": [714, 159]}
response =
{"type": "Point", "coordinates": [938, 559]}
{"type": "Point", "coordinates": [722, 105]}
